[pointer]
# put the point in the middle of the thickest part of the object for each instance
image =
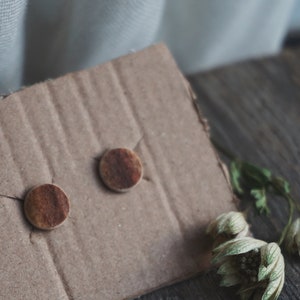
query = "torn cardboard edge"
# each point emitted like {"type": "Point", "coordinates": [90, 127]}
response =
{"type": "Point", "coordinates": [206, 128]}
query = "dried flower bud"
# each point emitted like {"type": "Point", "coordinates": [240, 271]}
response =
{"type": "Point", "coordinates": [292, 239]}
{"type": "Point", "coordinates": [228, 226]}
{"type": "Point", "coordinates": [254, 265]}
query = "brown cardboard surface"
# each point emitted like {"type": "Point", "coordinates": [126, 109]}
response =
{"type": "Point", "coordinates": [113, 246]}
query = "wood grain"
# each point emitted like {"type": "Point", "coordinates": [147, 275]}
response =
{"type": "Point", "coordinates": [253, 109]}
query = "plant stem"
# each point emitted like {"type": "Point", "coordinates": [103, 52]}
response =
{"type": "Point", "coordinates": [297, 205]}
{"type": "Point", "coordinates": [291, 213]}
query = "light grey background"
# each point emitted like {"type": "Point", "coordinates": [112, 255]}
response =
{"type": "Point", "coordinates": [41, 39]}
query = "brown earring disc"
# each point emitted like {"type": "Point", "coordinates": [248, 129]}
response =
{"type": "Point", "coordinates": [120, 169]}
{"type": "Point", "coordinates": [46, 206]}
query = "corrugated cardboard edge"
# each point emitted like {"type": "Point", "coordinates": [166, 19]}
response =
{"type": "Point", "coordinates": [205, 124]}
{"type": "Point", "coordinates": [206, 128]}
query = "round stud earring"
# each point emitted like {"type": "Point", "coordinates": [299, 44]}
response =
{"type": "Point", "coordinates": [46, 206]}
{"type": "Point", "coordinates": [120, 169]}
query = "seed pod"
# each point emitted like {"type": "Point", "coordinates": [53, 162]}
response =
{"type": "Point", "coordinates": [228, 226]}
{"type": "Point", "coordinates": [254, 265]}
{"type": "Point", "coordinates": [292, 240]}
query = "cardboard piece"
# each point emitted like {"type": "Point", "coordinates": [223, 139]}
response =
{"type": "Point", "coordinates": [113, 246]}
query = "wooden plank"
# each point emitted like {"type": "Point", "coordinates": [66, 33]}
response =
{"type": "Point", "coordinates": [253, 109]}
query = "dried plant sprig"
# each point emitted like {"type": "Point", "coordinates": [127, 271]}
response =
{"type": "Point", "coordinates": [292, 239]}
{"type": "Point", "coordinates": [259, 183]}
{"type": "Point", "coordinates": [254, 265]}
{"type": "Point", "coordinates": [228, 226]}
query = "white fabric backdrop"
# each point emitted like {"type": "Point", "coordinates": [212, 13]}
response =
{"type": "Point", "coordinates": [42, 39]}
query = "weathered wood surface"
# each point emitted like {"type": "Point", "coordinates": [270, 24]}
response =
{"type": "Point", "coordinates": [253, 110]}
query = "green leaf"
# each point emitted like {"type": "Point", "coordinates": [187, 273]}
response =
{"type": "Point", "coordinates": [281, 186]}
{"type": "Point", "coordinates": [235, 176]}
{"type": "Point", "coordinates": [261, 200]}
{"type": "Point", "coordinates": [255, 176]}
